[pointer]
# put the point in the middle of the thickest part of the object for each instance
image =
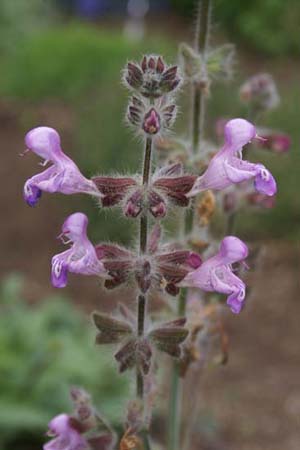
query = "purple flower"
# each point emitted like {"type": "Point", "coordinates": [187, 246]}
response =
{"type": "Point", "coordinates": [66, 437]}
{"type": "Point", "coordinates": [80, 258]}
{"type": "Point", "coordinates": [227, 167]}
{"type": "Point", "coordinates": [62, 176]}
{"type": "Point", "coordinates": [216, 274]}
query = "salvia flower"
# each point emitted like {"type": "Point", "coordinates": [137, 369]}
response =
{"type": "Point", "coordinates": [66, 437]}
{"type": "Point", "coordinates": [216, 274]}
{"type": "Point", "coordinates": [260, 91]}
{"type": "Point", "coordinates": [81, 258]}
{"type": "Point", "coordinates": [227, 167]}
{"type": "Point", "coordinates": [62, 176]}
{"type": "Point", "coordinates": [151, 78]}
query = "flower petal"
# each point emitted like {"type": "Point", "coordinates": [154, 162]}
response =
{"type": "Point", "coordinates": [265, 182]}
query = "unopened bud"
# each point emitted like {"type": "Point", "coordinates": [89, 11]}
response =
{"type": "Point", "coordinates": [264, 201]}
{"type": "Point", "coordinates": [157, 205]}
{"type": "Point", "coordinates": [151, 123]}
{"type": "Point", "coordinates": [261, 91]}
{"type": "Point", "coordinates": [152, 78]}
{"type": "Point", "coordinates": [273, 141]}
{"type": "Point", "coordinates": [134, 204]}
{"type": "Point", "coordinates": [133, 75]}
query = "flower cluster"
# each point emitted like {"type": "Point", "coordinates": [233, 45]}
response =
{"type": "Point", "coordinates": [158, 268]}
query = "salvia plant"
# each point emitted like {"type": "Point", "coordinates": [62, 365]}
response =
{"type": "Point", "coordinates": [187, 275]}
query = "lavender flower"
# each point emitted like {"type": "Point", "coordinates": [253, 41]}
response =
{"type": "Point", "coordinates": [62, 176]}
{"type": "Point", "coordinates": [227, 167]}
{"type": "Point", "coordinates": [216, 273]}
{"type": "Point", "coordinates": [80, 258]}
{"type": "Point", "coordinates": [66, 436]}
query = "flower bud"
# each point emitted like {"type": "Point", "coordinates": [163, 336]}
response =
{"type": "Point", "coordinates": [134, 204]}
{"type": "Point", "coordinates": [152, 78]}
{"type": "Point", "coordinates": [273, 141]}
{"type": "Point", "coordinates": [261, 91]}
{"type": "Point", "coordinates": [134, 75]}
{"type": "Point", "coordinates": [264, 201]}
{"type": "Point", "coordinates": [157, 205]}
{"type": "Point", "coordinates": [151, 122]}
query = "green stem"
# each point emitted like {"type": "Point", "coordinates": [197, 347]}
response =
{"type": "Point", "coordinates": [199, 94]}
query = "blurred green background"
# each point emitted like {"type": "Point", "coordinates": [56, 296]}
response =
{"type": "Point", "coordinates": [61, 65]}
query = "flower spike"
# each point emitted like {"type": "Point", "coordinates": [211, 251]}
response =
{"type": "Point", "coordinates": [62, 176]}
{"type": "Point", "coordinates": [80, 258]}
{"type": "Point", "coordinates": [227, 167]}
{"type": "Point", "coordinates": [216, 275]}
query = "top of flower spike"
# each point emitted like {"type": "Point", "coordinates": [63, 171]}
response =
{"type": "Point", "coordinates": [151, 78]}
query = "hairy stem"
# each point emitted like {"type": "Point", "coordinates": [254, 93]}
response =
{"type": "Point", "coordinates": [142, 299]}
{"type": "Point", "coordinates": [198, 93]}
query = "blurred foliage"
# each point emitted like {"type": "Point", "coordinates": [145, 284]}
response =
{"type": "Point", "coordinates": [43, 351]}
{"type": "Point", "coordinates": [21, 18]}
{"type": "Point", "coordinates": [269, 26]}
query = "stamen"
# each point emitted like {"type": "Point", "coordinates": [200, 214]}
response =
{"type": "Point", "coordinates": [44, 163]}
{"type": "Point", "coordinates": [24, 153]}
{"type": "Point", "coordinates": [260, 138]}
{"type": "Point", "coordinates": [264, 174]}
